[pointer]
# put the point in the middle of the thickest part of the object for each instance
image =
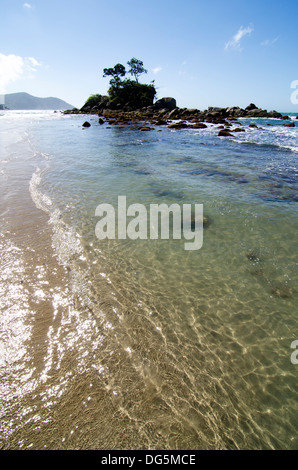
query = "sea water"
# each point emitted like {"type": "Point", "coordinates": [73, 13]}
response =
{"type": "Point", "coordinates": [139, 344]}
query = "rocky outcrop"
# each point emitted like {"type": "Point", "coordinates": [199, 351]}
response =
{"type": "Point", "coordinates": [166, 109]}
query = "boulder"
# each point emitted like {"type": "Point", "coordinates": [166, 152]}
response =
{"type": "Point", "coordinates": [290, 124]}
{"type": "Point", "coordinates": [86, 124]}
{"type": "Point", "coordinates": [225, 134]}
{"type": "Point", "coordinates": [167, 103]}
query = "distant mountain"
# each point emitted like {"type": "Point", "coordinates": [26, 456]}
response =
{"type": "Point", "coordinates": [25, 101]}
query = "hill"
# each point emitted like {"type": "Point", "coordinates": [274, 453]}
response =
{"type": "Point", "coordinates": [24, 101]}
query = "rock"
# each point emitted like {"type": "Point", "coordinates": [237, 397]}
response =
{"type": "Point", "coordinates": [225, 134]}
{"type": "Point", "coordinates": [235, 111]}
{"type": "Point", "coordinates": [216, 110]}
{"type": "Point", "coordinates": [145, 128]}
{"type": "Point", "coordinates": [206, 222]}
{"type": "Point", "coordinates": [166, 103]}
{"type": "Point", "coordinates": [251, 107]}
{"type": "Point", "coordinates": [238, 129]}
{"type": "Point", "coordinates": [290, 124]}
{"type": "Point", "coordinates": [283, 291]}
{"type": "Point", "coordinates": [86, 124]}
{"type": "Point", "coordinates": [257, 113]}
{"type": "Point", "coordinates": [178, 125]}
{"type": "Point", "coordinates": [100, 121]}
{"type": "Point", "coordinates": [161, 122]}
{"type": "Point", "coordinates": [162, 111]}
{"type": "Point", "coordinates": [71, 111]}
{"type": "Point", "coordinates": [199, 125]}
{"type": "Point", "coordinates": [275, 115]}
{"type": "Point", "coordinates": [173, 113]}
{"type": "Point", "coordinates": [258, 273]}
{"type": "Point", "coordinates": [253, 256]}
{"type": "Point", "coordinates": [253, 126]}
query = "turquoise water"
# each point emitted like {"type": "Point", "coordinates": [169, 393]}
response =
{"type": "Point", "coordinates": [141, 344]}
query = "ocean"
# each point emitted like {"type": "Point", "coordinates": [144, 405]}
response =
{"type": "Point", "coordinates": [140, 344]}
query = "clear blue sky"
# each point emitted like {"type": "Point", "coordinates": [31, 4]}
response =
{"type": "Point", "coordinates": [203, 53]}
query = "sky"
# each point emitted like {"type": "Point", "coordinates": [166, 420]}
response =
{"type": "Point", "coordinates": [202, 53]}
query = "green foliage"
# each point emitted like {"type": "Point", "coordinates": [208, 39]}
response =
{"type": "Point", "coordinates": [127, 92]}
{"type": "Point", "coordinates": [116, 72]}
{"type": "Point", "coordinates": [93, 100]}
{"type": "Point", "coordinates": [136, 68]}
{"type": "Point", "coordinates": [132, 94]}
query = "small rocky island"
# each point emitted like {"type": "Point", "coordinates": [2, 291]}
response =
{"type": "Point", "coordinates": [128, 101]}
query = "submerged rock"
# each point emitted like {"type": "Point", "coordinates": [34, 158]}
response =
{"type": "Point", "coordinates": [283, 291]}
{"type": "Point", "coordinates": [290, 124]}
{"type": "Point", "coordinates": [253, 256]}
{"type": "Point", "coordinates": [206, 222]}
{"type": "Point", "coordinates": [257, 273]}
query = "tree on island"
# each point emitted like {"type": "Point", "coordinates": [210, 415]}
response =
{"type": "Point", "coordinates": [116, 72]}
{"type": "Point", "coordinates": [129, 93]}
{"type": "Point", "coordinates": [136, 68]}
{"type": "Point", "coordinates": [123, 93]}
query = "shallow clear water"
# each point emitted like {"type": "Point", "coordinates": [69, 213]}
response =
{"type": "Point", "coordinates": [122, 344]}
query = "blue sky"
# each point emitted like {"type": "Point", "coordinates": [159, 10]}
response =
{"type": "Point", "coordinates": [203, 53]}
